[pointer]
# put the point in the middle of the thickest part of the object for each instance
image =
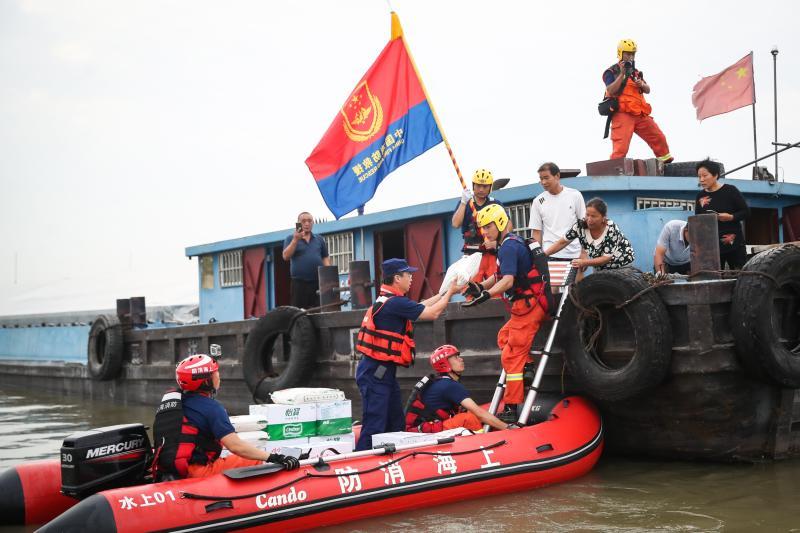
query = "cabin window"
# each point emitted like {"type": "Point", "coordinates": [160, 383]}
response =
{"type": "Point", "coordinates": [520, 215]}
{"type": "Point", "coordinates": [230, 268]}
{"type": "Point", "coordinates": [207, 272]}
{"type": "Point", "coordinates": [340, 250]}
{"type": "Point", "coordinates": [653, 203]}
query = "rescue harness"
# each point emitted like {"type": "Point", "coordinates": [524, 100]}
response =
{"type": "Point", "coordinates": [178, 443]}
{"type": "Point", "coordinates": [535, 284]}
{"type": "Point", "coordinates": [420, 418]}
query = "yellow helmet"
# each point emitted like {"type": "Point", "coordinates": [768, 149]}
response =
{"type": "Point", "coordinates": [493, 213]}
{"type": "Point", "coordinates": [483, 177]}
{"type": "Point", "coordinates": [625, 45]}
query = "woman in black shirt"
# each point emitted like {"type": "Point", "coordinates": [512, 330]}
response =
{"type": "Point", "coordinates": [730, 207]}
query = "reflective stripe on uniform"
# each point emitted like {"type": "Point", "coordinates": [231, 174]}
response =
{"type": "Point", "coordinates": [514, 377]}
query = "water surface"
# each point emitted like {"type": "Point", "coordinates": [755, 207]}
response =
{"type": "Point", "coordinates": [620, 495]}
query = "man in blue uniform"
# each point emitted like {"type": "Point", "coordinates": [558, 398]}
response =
{"type": "Point", "coordinates": [386, 341]}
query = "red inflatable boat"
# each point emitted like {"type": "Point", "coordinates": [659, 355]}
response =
{"type": "Point", "coordinates": [565, 445]}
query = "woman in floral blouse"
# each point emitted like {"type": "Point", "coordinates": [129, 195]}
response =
{"type": "Point", "coordinates": [603, 241]}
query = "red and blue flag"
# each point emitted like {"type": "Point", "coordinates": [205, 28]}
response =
{"type": "Point", "coordinates": [384, 123]}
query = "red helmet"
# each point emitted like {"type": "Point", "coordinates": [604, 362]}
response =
{"type": "Point", "coordinates": [194, 371]}
{"type": "Point", "coordinates": [440, 358]}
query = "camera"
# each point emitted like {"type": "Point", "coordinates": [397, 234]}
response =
{"type": "Point", "coordinates": [215, 351]}
{"type": "Point", "coordinates": [629, 68]}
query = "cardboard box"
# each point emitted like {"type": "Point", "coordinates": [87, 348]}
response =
{"type": "Point", "coordinates": [344, 437]}
{"type": "Point", "coordinates": [288, 421]}
{"type": "Point", "coordinates": [245, 423]}
{"type": "Point", "coordinates": [253, 437]}
{"type": "Point", "coordinates": [292, 447]}
{"type": "Point", "coordinates": [399, 438]}
{"type": "Point", "coordinates": [326, 449]}
{"type": "Point", "coordinates": [334, 418]}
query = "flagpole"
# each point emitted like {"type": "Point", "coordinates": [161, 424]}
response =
{"type": "Point", "coordinates": [755, 142]}
{"type": "Point", "coordinates": [397, 32]}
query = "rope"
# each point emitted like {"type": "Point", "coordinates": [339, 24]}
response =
{"type": "Point", "coordinates": [307, 475]}
{"type": "Point", "coordinates": [655, 282]}
{"type": "Point", "coordinates": [732, 274]}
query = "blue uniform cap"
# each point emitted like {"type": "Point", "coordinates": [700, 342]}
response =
{"type": "Point", "coordinates": [393, 266]}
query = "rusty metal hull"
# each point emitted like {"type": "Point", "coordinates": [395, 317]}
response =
{"type": "Point", "coordinates": [709, 407]}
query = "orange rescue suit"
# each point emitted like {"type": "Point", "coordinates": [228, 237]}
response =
{"type": "Point", "coordinates": [634, 117]}
{"type": "Point", "coordinates": [516, 336]}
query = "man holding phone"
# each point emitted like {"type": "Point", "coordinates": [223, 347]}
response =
{"type": "Point", "coordinates": [305, 251]}
{"type": "Point", "coordinates": [386, 341]}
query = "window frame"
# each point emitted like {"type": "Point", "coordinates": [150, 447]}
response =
{"type": "Point", "coordinates": [341, 249]}
{"type": "Point", "coordinates": [230, 269]}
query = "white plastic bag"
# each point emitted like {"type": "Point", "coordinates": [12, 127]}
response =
{"type": "Point", "coordinates": [306, 395]}
{"type": "Point", "coordinates": [464, 270]}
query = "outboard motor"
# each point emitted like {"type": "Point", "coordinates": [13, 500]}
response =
{"type": "Point", "coordinates": [104, 458]}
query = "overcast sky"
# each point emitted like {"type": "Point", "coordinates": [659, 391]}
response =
{"type": "Point", "coordinates": [130, 130]}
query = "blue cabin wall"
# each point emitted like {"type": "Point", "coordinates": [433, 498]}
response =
{"type": "Point", "coordinates": [59, 343]}
{"type": "Point", "coordinates": [619, 192]}
{"type": "Point", "coordinates": [222, 304]}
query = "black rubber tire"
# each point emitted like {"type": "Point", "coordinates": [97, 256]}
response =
{"type": "Point", "coordinates": [104, 352]}
{"type": "Point", "coordinates": [649, 324]}
{"type": "Point", "coordinates": [259, 371]}
{"type": "Point", "coordinates": [685, 169]}
{"type": "Point", "coordinates": [753, 318]}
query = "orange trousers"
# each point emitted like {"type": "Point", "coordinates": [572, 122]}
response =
{"type": "Point", "coordinates": [463, 420]}
{"type": "Point", "coordinates": [515, 339]}
{"type": "Point", "coordinates": [224, 463]}
{"type": "Point", "coordinates": [624, 125]}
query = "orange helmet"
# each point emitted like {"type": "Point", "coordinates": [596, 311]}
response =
{"type": "Point", "coordinates": [195, 371]}
{"type": "Point", "coordinates": [440, 358]}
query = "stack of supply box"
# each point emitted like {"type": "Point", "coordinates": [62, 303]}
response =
{"type": "Point", "coordinates": [306, 423]}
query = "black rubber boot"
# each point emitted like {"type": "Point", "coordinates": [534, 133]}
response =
{"type": "Point", "coordinates": [509, 414]}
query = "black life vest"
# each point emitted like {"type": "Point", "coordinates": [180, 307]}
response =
{"type": "Point", "coordinates": [383, 345]}
{"type": "Point", "coordinates": [420, 418]}
{"type": "Point", "coordinates": [473, 238]}
{"type": "Point", "coordinates": [177, 442]}
{"type": "Point", "coordinates": [534, 286]}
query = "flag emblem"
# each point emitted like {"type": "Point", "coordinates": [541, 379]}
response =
{"type": "Point", "coordinates": [363, 114]}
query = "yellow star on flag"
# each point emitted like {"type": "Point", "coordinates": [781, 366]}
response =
{"type": "Point", "coordinates": [741, 73]}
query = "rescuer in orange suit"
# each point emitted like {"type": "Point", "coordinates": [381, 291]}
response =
{"type": "Point", "coordinates": [624, 82]}
{"type": "Point", "coordinates": [519, 280]}
{"type": "Point", "coordinates": [482, 181]}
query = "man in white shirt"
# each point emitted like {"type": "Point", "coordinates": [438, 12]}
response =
{"type": "Point", "coordinates": [554, 212]}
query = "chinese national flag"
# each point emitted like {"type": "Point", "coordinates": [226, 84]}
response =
{"type": "Point", "coordinates": [730, 89]}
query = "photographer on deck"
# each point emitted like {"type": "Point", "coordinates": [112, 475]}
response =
{"type": "Point", "coordinates": [625, 83]}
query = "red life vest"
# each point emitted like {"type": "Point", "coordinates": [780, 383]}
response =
{"type": "Point", "coordinates": [533, 288]}
{"type": "Point", "coordinates": [176, 440]}
{"type": "Point", "coordinates": [418, 417]}
{"type": "Point", "coordinates": [383, 345]}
